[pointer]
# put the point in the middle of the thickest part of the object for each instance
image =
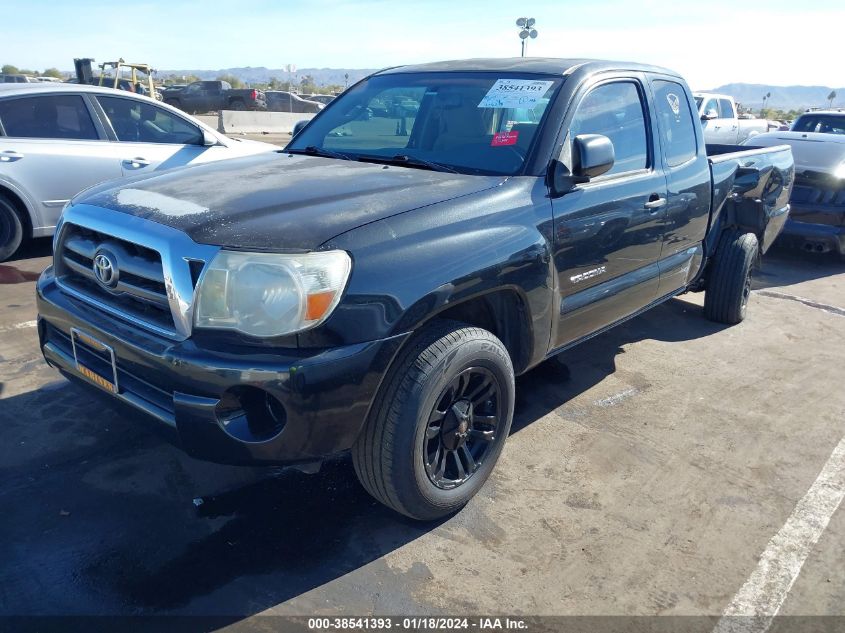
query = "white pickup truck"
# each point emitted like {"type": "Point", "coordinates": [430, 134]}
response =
{"type": "Point", "coordinates": [721, 124]}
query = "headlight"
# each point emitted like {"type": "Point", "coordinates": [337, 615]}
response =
{"type": "Point", "coordinates": [268, 294]}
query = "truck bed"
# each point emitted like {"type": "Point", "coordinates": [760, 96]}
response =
{"type": "Point", "coordinates": [750, 189]}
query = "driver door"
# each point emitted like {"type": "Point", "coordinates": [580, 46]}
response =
{"type": "Point", "coordinates": [609, 231]}
{"type": "Point", "coordinates": [154, 138]}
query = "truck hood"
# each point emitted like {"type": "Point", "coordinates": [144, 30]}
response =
{"type": "Point", "coordinates": [278, 201]}
{"type": "Point", "coordinates": [812, 151]}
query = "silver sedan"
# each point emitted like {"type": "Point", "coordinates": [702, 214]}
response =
{"type": "Point", "coordinates": [58, 139]}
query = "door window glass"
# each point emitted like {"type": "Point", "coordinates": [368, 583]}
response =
{"type": "Point", "coordinates": [726, 110]}
{"type": "Point", "coordinates": [713, 105]}
{"type": "Point", "coordinates": [615, 110]}
{"type": "Point", "coordinates": [676, 122]}
{"type": "Point", "coordinates": [48, 116]}
{"type": "Point", "coordinates": [141, 122]}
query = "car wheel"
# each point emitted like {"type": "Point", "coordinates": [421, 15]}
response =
{"type": "Point", "coordinates": [729, 282]}
{"type": "Point", "coordinates": [238, 105]}
{"type": "Point", "coordinates": [439, 423]}
{"type": "Point", "coordinates": [11, 229]}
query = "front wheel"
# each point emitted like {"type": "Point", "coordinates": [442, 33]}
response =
{"type": "Point", "coordinates": [729, 282]}
{"type": "Point", "coordinates": [11, 229]}
{"type": "Point", "coordinates": [439, 423]}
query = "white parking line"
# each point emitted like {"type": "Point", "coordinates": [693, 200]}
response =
{"type": "Point", "coordinates": [764, 592]}
{"type": "Point", "coordinates": [616, 398]}
{"type": "Point", "coordinates": [19, 326]}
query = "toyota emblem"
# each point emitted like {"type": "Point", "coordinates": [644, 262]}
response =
{"type": "Point", "coordinates": [105, 269]}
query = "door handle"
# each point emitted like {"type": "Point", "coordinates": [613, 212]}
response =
{"type": "Point", "coordinates": [655, 202]}
{"type": "Point", "coordinates": [10, 156]}
{"type": "Point", "coordinates": [135, 163]}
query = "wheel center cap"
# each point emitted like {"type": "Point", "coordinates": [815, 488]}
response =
{"type": "Point", "coordinates": [458, 425]}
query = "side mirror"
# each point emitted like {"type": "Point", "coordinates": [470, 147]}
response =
{"type": "Point", "coordinates": [710, 114]}
{"type": "Point", "coordinates": [592, 155]}
{"type": "Point", "coordinates": [298, 127]}
{"type": "Point", "coordinates": [208, 139]}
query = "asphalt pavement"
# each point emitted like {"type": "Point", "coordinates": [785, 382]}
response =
{"type": "Point", "coordinates": [654, 477]}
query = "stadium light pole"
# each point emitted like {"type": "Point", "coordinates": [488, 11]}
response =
{"type": "Point", "coordinates": [526, 30]}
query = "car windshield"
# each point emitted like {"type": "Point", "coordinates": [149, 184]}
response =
{"type": "Point", "coordinates": [474, 123]}
{"type": "Point", "coordinates": [824, 123]}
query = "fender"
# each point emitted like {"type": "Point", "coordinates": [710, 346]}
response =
{"type": "Point", "coordinates": [446, 254]}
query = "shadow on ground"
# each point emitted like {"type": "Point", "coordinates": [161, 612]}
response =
{"type": "Point", "coordinates": [785, 267]}
{"type": "Point", "coordinates": [40, 247]}
{"type": "Point", "coordinates": [99, 519]}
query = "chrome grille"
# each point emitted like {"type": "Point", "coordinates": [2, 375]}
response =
{"type": "Point", "coordinates": [160, 267]}
{"type": "Point", "coordinates": [140, 291]}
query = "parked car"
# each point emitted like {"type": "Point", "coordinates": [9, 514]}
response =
{"type": "Point", "coordinates": [282, 101]}
{"type": "Point", "coordinates": [324, 99]}
{"type": "Point", "coordinates": [817, 216]}
{"type": "Point", "coordinates": [378, 291]}
{"type": "Point", "coordinates": [57, 139]}
{"type": "Point", "coordinates": [721, 124]}
{"type": "Point", "coordinates": [16, 79]}
{"type": "Point", "coordinates": [207, 96]}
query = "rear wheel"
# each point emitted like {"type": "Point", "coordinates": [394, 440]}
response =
{"type": "Point", "coordinates": [729, 282]}
{"type": "Point", "coordinates": [11, 229]}
{"type": "Point", "coordinates": [439, 423]}
{"type": "Point", "coordinates": [237, 104]}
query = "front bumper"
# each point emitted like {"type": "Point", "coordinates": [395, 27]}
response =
{"type": "Point", "coordinates": [326, 394]}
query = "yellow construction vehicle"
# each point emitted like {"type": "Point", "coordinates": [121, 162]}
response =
{"type": "Point", "coordinates": [144, 83]}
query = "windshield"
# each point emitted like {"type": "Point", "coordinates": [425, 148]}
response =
{"type": "Point", "coordinates": [824, 123]}
{"type": "Point", "coordinates": [476, 123]}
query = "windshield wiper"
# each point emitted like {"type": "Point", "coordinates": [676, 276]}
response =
{"type": "Point", "coordinates": [408, 161]}
{"type": "Point", "coordinates": [313, 150]}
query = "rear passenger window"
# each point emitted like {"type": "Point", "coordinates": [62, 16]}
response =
{"type": "Point", "coordinates": [55, 116]}
{"type": "Point", "coordinates": [615, 110]}
{"type": "Point", "coordinates": [677, 134]}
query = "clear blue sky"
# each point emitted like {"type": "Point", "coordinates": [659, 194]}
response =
{"type": "Point", "coordinates": [777, 42]}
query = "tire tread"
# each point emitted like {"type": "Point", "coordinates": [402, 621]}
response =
{"type": "Point", "coordinates": [372, 453]}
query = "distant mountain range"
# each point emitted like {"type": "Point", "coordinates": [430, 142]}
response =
{"type": "Point", "coordinates": [751, 95]}
{"type": "Point", "coordinates": [783, 97]}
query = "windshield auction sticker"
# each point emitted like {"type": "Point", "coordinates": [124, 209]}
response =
{"type": "Point", "coordinates": [505, 138]}
{"type": "Point", "coordinates": [515, 93]}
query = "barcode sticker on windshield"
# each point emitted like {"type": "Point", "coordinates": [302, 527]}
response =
{"type": "Point", "coordinates": [515, 93]}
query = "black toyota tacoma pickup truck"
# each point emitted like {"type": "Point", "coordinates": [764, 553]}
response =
{"type": "Point", "coordinates": [209, 96]}
{"type": "Point", "coordinates": [376, 286]}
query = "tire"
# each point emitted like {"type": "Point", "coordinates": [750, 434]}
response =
{"type": "Point", "coordinates": [237, 104]}
{"type": "Point", "coordinates": [11, 229]}
{"type": "Point", "coordinates": [407, 454]}
{"type": "Point", "coordinates": [729, 282]}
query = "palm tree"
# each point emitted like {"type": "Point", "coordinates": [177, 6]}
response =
{"type": "Point", "coordinates": [830, 98]}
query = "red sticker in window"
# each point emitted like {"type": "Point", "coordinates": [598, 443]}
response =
{"type": "Point", "coordinates": [504, 138]}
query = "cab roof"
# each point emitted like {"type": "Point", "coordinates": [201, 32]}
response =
{"type": "Point", "coordinates": [536, 65]}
